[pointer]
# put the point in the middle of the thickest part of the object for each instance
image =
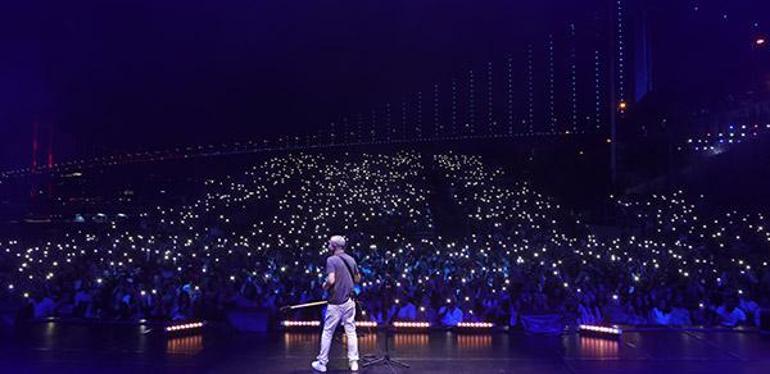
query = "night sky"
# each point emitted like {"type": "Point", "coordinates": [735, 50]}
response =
{"type": "Point", "coordinates": [122, 75]}
{"type": "Point", "coordinates": [112, 75]}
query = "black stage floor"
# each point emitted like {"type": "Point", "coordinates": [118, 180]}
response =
{"type": "Point", "coordinates": [67, 348]}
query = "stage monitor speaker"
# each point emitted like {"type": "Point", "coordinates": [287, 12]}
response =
{"type": "Point", "coordinates": [8, 317]}
{"type": "Point", "coordinates": [545, 324]}
{"type": "Point", "coordinates": [764, 321]}
{"type": "Point", "coordinates": [247, 321]}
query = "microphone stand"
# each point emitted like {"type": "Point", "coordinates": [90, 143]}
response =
{"type": "Point", "coordinates": [385, 360]}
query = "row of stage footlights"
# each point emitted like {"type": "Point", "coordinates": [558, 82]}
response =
{"type": "Point", "coordinates": [589, 330]}
{"type": "Point", "coordinates": [596, 330]}
{"type": "Point", "coordinates": [397, 324]}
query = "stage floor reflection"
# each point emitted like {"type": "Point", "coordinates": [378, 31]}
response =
{"type": "Point", "coordinates": [63, 348]}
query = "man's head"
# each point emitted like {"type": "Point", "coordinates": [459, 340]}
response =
{"type": "Point", "coordinates": [337, 242]}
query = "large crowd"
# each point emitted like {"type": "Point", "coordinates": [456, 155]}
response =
{"type": "Point", "coordinates": [441, 238]}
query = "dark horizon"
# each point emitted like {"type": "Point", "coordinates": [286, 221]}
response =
{"type": "Point", "coordinates": [118, 76]}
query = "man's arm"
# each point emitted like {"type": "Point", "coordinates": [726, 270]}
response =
{"type": "Point", "coordinates": [329, 281]}
{"type": "Point", "coordinates": [329, 275]}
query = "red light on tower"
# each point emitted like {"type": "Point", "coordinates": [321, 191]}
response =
{"type": "Point", "coordinates": [760, 41]}
{"type": "Point", "coordinates": [34, 145]}
{"type": "Point", "coordinates": [50, 147]}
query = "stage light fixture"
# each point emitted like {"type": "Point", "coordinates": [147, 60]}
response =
{"type": "Point", "coordinates": [475, 325]}
{"type": "Point", "coordinates": [411, 325]}
{"type": "Point", "coordinates": [607, 331]}
{"type": "Point", "coordinates": [301, 323]}
{"type": "Point", "coordinates": [184, 327]}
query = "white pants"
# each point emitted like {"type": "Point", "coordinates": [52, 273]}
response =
{"type": "Point", "coordinates": [345, 313]}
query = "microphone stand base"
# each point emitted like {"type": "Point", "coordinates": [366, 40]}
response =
{"type": "Point", "coordinates": [385, 360]}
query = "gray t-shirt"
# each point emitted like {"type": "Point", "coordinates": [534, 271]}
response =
{"type": "Point", "coordinates": [343, 281]}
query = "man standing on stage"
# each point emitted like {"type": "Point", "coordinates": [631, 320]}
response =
{"type": "Point", "coordinates": [342, 274]}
